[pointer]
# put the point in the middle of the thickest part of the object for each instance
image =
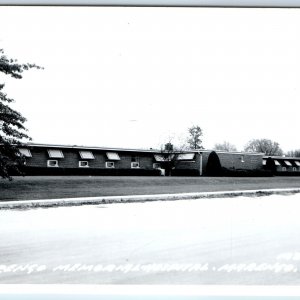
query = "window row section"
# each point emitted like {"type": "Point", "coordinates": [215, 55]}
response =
{"type": "Point", "coordinates": [108, 164]}
{"type": "Point", "coordinates": [284, 169]}
{"type": "Point", "coordinates": [285, 165]}
{"type": "Point", "coordinates": [86, 156]}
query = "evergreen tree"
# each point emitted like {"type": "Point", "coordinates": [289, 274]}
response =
{"type": "Point", "coordinates": [213, 167]}
{"type": "Point", "coordinates": [270, 165]}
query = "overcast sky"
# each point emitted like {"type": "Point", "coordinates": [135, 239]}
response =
{"type": "Point", "coordinates": [133, 77]}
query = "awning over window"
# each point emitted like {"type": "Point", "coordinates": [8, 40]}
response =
{"type": "Point", "coordinates": [297, 163]}
{"type": "Point", "coordinates": [86, 155]}
{"type": "Point", "coordinates": [181, 156]}
{"type": "Point", "coordinates": [25, 152]}
{"type": "Point", "coordinates": [186, 156]}
{"type": "Point", "coordinates": [55, 153]}
{"type": "Point", "coordinates": [287, 163]}
{"type": "Point", "coordinates": [159, 157]}
{"type": "Point", "coordinates": [277, 162]}
{"type": "Point", "coordinates": [112, 156]}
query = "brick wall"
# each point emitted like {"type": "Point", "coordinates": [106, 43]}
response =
{"type": "Point", "coordinates": [38, 159]}
{"type": "Point", "coordinates": [189, 165]}
{"type": "Point", "coordinates": [241, 161]}
{"type": "Point", "coordinates": [71, 159]}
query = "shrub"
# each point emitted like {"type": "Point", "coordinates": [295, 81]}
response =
{"type": "Point", "coordinates": [213, 167]}
{"type": "Point", "coordinates": [246, 173]}
{"type": "Point", "coordinates": [270, 165]}
{"type": "Point", "coordinates": [44, 171]}
{"type": "Point", "coordinates": [287, 173]}
{"type": "Point", "coordinates": [185, 172]}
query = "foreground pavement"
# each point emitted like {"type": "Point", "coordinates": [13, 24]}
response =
{"type": "Point", "coordinates": [241, 240]}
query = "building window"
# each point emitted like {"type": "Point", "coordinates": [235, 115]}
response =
{"type": "Point", "coordinates": [186, 156]}
{"type": "Point", "coordinates": [135, 162]}
{"type": "Point", "coordinates": [113, 156]}
{"type": "Point", "coordinates": [86, 155]}
{"type": "Point", "coordinates": [159, 157]}
{"type": "Point", "coordinates": [156, 166]}
{"type": "Point", "coordinates": [294, 169]}
{"type": "Point", "coordinates": [83, 164]}
{"type": "Point", "coordinates": [110, 164]}
{"type": "Point", "coordinates": [53, 153]}
{"type": "Point", "coordinates": [288, 163]}
{"type": "Point", "coordinates": [283, 168]}
{"type": "Point", "coordinates": [25, 152]}
{"type": "Point", "coordinates": [135, 165]}
{"type": "Point", "coordinates": [52, 163]}
{"type": "Point", "coordinates": [277, 163]}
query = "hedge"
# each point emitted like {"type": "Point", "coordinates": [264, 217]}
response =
{"type": "Point", "coordinates": [246, 173]}
{"type": "Point", "coordinates": [185, 172]}
{"type": "Point", "coordinates": [44, 171]}
{"type": "Point", "coordinates": [287, 173]}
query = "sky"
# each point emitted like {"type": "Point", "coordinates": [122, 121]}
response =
{"type": "Point", "coordinates": [135, 77]}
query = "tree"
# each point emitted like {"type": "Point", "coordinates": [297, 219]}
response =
{"type": "Point", "coordinates": [293, 153]}
{"type": "Point", "coordinates": [169, 156]}
{"type": "Point", "coordinates": [12, 130]}
{"type": "Point", "coordinates": [194, 141]}
{"type": "Point", "coordinates": [225, 146]}
{"type": "Point", "coordinates": [266, 146]}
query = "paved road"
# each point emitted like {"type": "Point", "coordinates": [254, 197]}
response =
{"type": "Point", "coordinates": [207, 241]}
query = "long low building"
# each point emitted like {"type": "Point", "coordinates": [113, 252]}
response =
{"type": "Point", "coordinates": [282, 165]}
{"type": "Point", "coordinates": [45, 159]}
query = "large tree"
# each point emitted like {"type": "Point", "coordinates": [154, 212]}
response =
{"type": "Point", "coordinates": [194, 140]}
{"type": "Point", "coordinates": [225, 146]}
{"type": "Point", "coordinates": [266, 146]}
{"type": "Point", "coordinates": [12, 130]}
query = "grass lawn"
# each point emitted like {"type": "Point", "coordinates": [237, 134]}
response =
{"type": "Point", "coordinates": [51, 187]}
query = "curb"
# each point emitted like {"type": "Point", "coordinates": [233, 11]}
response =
{"type": "Point", "coordinates": [140, 198]}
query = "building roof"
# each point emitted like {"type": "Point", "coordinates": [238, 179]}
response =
{"type": "Point", "coordinates": [80, 147]}
{"type": "Point", "coordinates": [237, 152]}
{"type": "Point", "coordinates": [282, 157]}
